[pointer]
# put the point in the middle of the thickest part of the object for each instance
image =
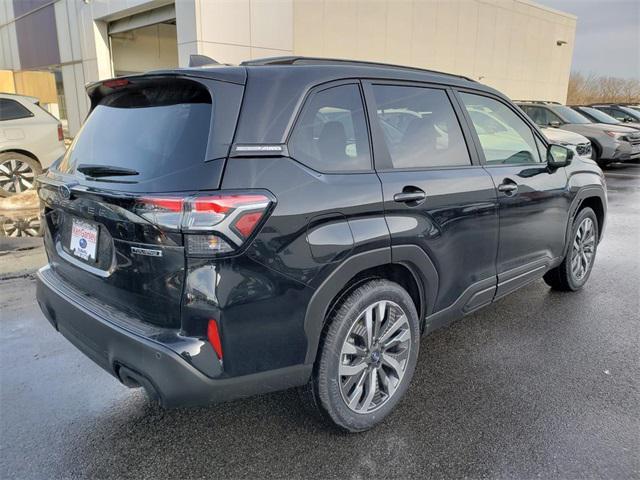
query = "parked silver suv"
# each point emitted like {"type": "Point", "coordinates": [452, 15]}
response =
{"type": "Point", "coordinates": [31, 139]}
{"type": "Point", "coordinates": [611, 143]}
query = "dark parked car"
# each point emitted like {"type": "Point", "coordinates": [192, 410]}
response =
{"type": "Point", "coordinates": [611, 143]}
{"type": "Point", "coordinates": [221, 231]}
{"type": "Point", "coordinates": [623, 113]}
{"type": "Point", "coordinates": [598, 116]}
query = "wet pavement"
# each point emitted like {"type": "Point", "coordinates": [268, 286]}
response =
{"type": "Point", "coordinates": [540, 384]}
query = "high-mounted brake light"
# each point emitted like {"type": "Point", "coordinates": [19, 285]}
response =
{"type": "Point", "coordinates": [213, 224]}
{"type": "Point", "coordinates": [116, 83]}
{"type": "Point", "coordinates": [60, 133]}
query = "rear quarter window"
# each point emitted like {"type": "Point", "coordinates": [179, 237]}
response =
{"type": "Point", "coordinates": [12, 110]}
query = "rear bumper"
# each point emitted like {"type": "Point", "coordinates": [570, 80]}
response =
{"type": "Point", "coordinates": [136, 358]}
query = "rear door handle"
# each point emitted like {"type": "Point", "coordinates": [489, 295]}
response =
{"type": "Point", "coordinates": [408, 197]}
{"type": "Point", "coordinates": [508, 187]}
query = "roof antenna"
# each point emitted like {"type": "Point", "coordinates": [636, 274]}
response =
{"type": "Point", "coordinates": [201, 61]}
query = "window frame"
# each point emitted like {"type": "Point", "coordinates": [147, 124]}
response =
{"type": "Point", "coordinates": [535, 130]}
{"type": "Point", "coordinates": [30, 113]}
{"type": "Point", "coordinates": [381, 155]}
{"type": "Point", "coordinates": [307, 98]}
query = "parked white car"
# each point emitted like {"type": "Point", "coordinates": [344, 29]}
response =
{"type": "Point", "coordinates": [31, 139]}
{"type": "Point", "coordinates": [576, 142]}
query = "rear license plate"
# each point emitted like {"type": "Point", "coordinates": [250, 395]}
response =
{"type": "Point", "coordinates": [84, 240]}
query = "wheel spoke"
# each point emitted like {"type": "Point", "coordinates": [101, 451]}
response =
{"type": "Point", "coordinates": [371, 386]}
{"type": "Point", "coordinates": [348, 370]}
{"type": "Point", "coordinates": [368, 323]}
{"type": "Point", "coordinates": [394, 364]}
{"type": "Point", "coordinates": [350, 349]}
{"type": "Point", "coordinates": [355, 396]}
{"type": "Point", "coordinates": [403, 336]}
{"type": "Point", "coordinates": [353, 380]}
{"type": "Point", "coordinates": [576, 245]}
{"type": "Point", "coordinates": [381, 310]}
{"type": "Point", "coordinates": [400, 321]}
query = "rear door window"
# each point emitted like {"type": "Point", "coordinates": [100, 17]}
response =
{"type": "Point", "coordinates": [152, 132]}
{"type": "Point", "coordinates": [331, 133]}
{"type": "Point", "coordinates": [420, 127]}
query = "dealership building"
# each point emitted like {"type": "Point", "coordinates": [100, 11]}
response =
{"type": "Point", "coordinates": [51, 48]}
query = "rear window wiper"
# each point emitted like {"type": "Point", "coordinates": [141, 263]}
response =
{"type": "Point", "coordinates": [105, 171]}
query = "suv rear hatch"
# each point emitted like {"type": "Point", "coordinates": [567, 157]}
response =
{"type": "Point", "coordinates": [114, 206]}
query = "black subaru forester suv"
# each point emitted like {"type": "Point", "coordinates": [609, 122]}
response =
{"type": "Point", "coordinates": [222, 231]}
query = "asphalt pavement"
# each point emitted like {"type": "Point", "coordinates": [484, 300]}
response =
{"type": "Point", "coordinates": [539, 385]}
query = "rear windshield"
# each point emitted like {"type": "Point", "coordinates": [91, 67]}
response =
{"type": "Point", "coordinates": [150, 132]}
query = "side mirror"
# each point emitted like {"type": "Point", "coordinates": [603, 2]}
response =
{"type": "Point", "coordinates": [554, 123]}
{"type": "Point", "coordinates": [627, 120]}
{"type": "Point", "coordinates": [559, 156]}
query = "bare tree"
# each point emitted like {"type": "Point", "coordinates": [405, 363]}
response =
{"type": "Point", "coordinates": [584, 89]}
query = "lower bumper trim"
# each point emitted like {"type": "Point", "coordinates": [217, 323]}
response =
{"type": "Point", "coordinates": [140, 361]}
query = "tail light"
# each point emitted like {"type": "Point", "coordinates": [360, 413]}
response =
{"type": "Point", "coordinates": [212, 224]}
{"type": "Point", "coordinates": [60, 133]}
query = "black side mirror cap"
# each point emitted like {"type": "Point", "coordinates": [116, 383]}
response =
{"type": "Point", "coordinates": [559, 156]}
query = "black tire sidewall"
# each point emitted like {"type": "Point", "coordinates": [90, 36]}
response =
{"type": "Point", "coordinates": [326, 381]}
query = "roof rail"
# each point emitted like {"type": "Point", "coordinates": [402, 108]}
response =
{"type": "Point", "coordinates": [544, 102]}
{"type": "Point", "coordinates": [296, 60]}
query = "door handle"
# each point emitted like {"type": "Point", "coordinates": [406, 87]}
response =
{"type": "Point", "coordinates": [415, 196]}
{"type": "Point", "coordinates": [508, 187]}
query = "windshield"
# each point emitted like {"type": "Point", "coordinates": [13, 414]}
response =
{"type": "Point", "coordinates": [599, 116]}
{"type": "Point", "coordinates": [569, 115]}
{"type": "Point", "coordinates": [142, 135]}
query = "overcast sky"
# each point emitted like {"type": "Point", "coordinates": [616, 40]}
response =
{"type": "Point", "coordinates": [608, 35]}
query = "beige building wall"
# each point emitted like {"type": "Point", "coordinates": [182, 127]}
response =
{"type": "Point", "coordinates": [232, 31]}
{"type": "Point", "coordinates": [148, 48]}
{"type": "Point", "coordinates": [508, 44]}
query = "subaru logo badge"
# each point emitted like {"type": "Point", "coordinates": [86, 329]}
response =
{"type": "Point", "coordinates": [64, 191]}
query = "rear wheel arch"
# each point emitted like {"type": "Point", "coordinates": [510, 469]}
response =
{"type": "Point", "coordinates": [412, 270]}
{"type": "Point", "coordinates": [22, 152]}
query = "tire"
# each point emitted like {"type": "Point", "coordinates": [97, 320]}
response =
{"type": "Point", "coordinates": [572, 274]}
{"type": "Point", "coordinates": [389, 370]}
{"type": "Point", "coordinates": [17, 173]}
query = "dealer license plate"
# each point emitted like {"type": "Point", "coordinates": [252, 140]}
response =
{"type": "Point", "coordinates": [84, 240]}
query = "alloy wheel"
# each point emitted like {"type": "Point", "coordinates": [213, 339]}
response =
{"type": "Point", "coordinates": [583, 250]}
{"type": "Point", "coordinates": [28, 226]}
{"type": "Point", "coordinates": [374, 357]}
{"type": "Point", "coordinates": [16, 176]}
